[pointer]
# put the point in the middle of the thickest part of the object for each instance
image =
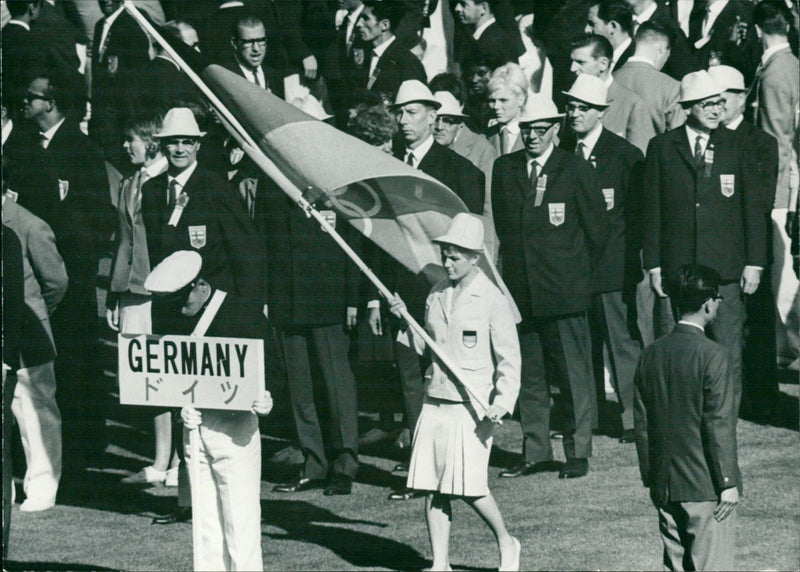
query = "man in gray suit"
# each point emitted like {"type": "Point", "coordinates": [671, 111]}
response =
{"type": "Point", "coordinates": [34, 405]}
{"type": "Point", "coordinates": [642, 75]}
{"type": "Point", "coordinates": [686, 431]}
{"type": "Point", "coordinates": [627, 114]}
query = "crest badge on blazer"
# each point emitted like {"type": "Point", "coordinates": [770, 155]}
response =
{"type": "Point", "coordinates": [197, 236]}
{"type": "Point", "coordinates": [113, 65]}
{"type": "Point", "coordinates": [557, 213]}
{"type": "Point", "coordinates": [608, 195]}
{"type": "Point", "coordinates": [469, 338]}
{"type": "Point", "coordinates": [63, 189]}
{"type": "Point", "coordinates": [358, 57]}
{"type": "Point", "coordinates": [727, 184]}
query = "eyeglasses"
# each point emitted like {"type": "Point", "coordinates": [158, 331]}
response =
{"type": "Point", "coordinates": [447, 120]}
{"type": "Point", "coordinates": [709, 105]}
{"type": "Point", "coordinates": [539, 130]}
{"type": "Point", "coordinates": [252, 42]}
{"type": "Point", "coordinates": [31, 96]}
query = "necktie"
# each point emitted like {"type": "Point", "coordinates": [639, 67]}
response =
{"type": "Point", "coordinates": [503, 141]}
{"type": "Point", "coordinates": [579, 150]}
{"type": "Point", "coordinates": [533, 177]}
{"type": "Point", "coordinates": [698, 151]}
{"type": "Point", "coordinates": [173, 193]}
{"type": "Point", "coordinates": [410, 159]}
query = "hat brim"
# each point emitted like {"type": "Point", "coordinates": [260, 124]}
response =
{"type": "Point", "coordinates": [459, 115]}
{"type": "Point", "coordinates": [556, 117]}
{"type": "Point", "coordinates": [166, 134]}
{"type": "Point", "coordinates": [586, 101]}
{"type": "Point", "coordinates": [442, 240]}
{"type": "Point", "coordinates": [432, 102]}
{"type": "Point", "coordinates": [695, 99]}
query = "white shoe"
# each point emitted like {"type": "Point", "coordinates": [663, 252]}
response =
{"type": "Point", "coordinates": [171, 479]}
{"type": "Point", "coordinates": [33, 505]}
{"type": "Point", "coordinates": [147, 475]}
{"type": "Point", "coordinates": [512, 564]}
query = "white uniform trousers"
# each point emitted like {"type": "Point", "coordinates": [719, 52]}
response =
{"type": "Point", "coordinates": [786, 291]}
{"type": "Point", "coordinates": [36, 411]}
{"type": "Point", "coordinates": [135, 314]}
{"type": "Point", "coordinates": [227, 507]}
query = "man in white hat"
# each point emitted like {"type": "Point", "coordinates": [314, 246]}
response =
{"type": "Point", "coordinates": [702, 205]}
{"type": "Point", "coordinates": [627, 113]}
{"type": "Point", "coordinates": [226, 507]}
{"type": "Point", "coordinates": [551, 220]}
{"type": "Point", "coordinates": [618, 165]}
{"type": "Point", "coordinates": [759, 355]}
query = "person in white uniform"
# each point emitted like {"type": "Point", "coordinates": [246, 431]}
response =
{"type": "Point", "coordinates": [226, 497]}
{"type": "Point", "coordinates": [472, 321]}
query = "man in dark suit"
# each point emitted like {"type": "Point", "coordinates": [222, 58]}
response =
{"type": "Point", "coordinates": [487, 39]}
{"type": "Point", "coordinates": [617, 166]}
{"type": "Point", "coordinates": [759, 355]}
{"type": "Point", "coordinates": [613, 19]}
{"type": "Point", "coordinates": [119, 44]}
{"type": "Point", "coordinates": [77, 201]}
{"type": "Point", "coordinates": [389, 63]}
{"type": "Point", "coordinates": [551, 221]}
{"type": "Point", "coordinates": [249, 44]}
{"type": "Point", "coordinates": [686, 431]}
{"type": "Point", "coordinates": [703, 205]}
{"type": "Point", "coordinates": [61, 41]}
{"type": "Point", "coordinates": [21, 54]}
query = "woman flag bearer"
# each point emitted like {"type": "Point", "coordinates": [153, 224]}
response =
{"type": "Point", "coordinates": [471, 319]}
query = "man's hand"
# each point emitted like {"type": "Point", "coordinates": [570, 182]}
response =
{"type": "Point", "coordinates": [112, 318]}
{"type": "Point", "coordinates": [191, 417]}
{"type": "Point", "coordinates": [751, 276]}
{"type": "Point", "coordinates": [310, 67]}
{"type": "Point", "coordinates": [495, 413]}
{"type": "Point", "coordinates": [352, 317]}
{"type": "Point", "coordinates": [374, 320]}
{"type": "Point", "coordinates": [728, 500]}
{"type": "Point", "coordinates": [263, 405]}
{"type": "Point", "coordinates": [655, 282]}
{"type": "Point", "coordinates": [397, 306]}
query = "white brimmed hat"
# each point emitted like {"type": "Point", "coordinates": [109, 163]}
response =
{"type": "Point", "coordinates": [539, 108]}
{"type": "Point", "coordinates": [698, 85]}
{"type": "Point", "coordinates": [175, 272]}
{"type": "Point", "coordinates": [589, 89]}
{"type": "Point", "coordinates": [465, 231]}
{"type": "Point", "coordinates": [414, 91]}
{"type": "Point", "coordinates": [180, 122]}
{"type": "Point", "coordinates": [728, 78]}
{"type": "Point", "coordinates": [449, 104]}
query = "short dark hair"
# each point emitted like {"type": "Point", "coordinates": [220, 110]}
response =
{"type": "Point", "coordinates": [651, 31]}
{"type": "Point", "coordinates": [391, 10]}
{"type": "Point", "coordinates": [247, 20]}
{"type": "Point", "coordinates": [373, 124]}
{"type": "Point", "coordinates": [691, 285]}
{"type": "Point", "coordinates": [601, 47]}
{"type": "Point", "coordinates": [18, 8]}
{"type": "Point", "coordinates": [616, 11]}
{"type": "Point", "coordinates": [448, 82]}
{"type": "Point", "coordinates": [772, 17]}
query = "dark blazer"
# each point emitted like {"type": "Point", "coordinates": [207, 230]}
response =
{"type": "Point", "coordinates": [58, 37]}
{"type": "Point", "coordinates": [763, 149]}
{"type": "Point", "coordinates": [497, 44]}
{"type": "Point", "coordinates": [311, 280]}
{"type": "Point", "coordinates": [681, 60]}
{"type": "Point", "coordinates": [21, 57]}
{"type": "Point", "coordinates": [395, 66]}
{"type": "Point", "coordinates": [687, 218]}
{"type": "Point", "coordinates": [623, 58]}
{"type": "Point", "coordinates": [453, 170]}
{"type": "Point", "coordinates": [213, 223]}
{"type": "Point", "coordinates": [13, 312]}
{"type": "Point", "coordinates": [618, 167]}
{"type": "Point", "coordinates": [273, 79]}
{"type": "Point", "coordinates": [154, 87]}
{"type": "Point", "coordinates": [548, 253]}
{"type": "Point", "coordinates": [685, 418]}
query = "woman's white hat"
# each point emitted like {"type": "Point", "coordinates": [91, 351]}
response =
{"type": "Point", "coordinates": [465, 231]}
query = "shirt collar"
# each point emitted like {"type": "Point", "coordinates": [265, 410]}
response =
{"type": "Point", "coordinates": [476, 35]}
{"type": "Point", "coordinates": [542, 159]}
{"type": "Point", "coordinates": [642, 60]}
{"type": "Point", "coordinates": [248, 72]}
{"type": "Point", "coordinates": [646, 15]}
{"type": "Point", "coordinates": [184, 176]}
{"type": "Point", "coordinates": [50, 133]}
{"type": "Point", "coordinates": [421, 150]}
{"type": "Point", "coordinates": [7, 128]}
{"type": "Point", "coordinates": [619, 50]}
{"type": "Point", "coordinates": [591, 138]}
{"type": "Point", "coordinates": [20, 23]}
{"type": "Point", "coordinates": [687, 323]}
{"type": "Point", "coordinates": [110, 19]}
{"type": "Point", "coordinates": [734, 125]}
{"type": "Point", "coordinates": [771, 51]}
{"type": "Point", "coordinates": [693, 134]}
{"type": "Point", "coordinates": [378, 50]}
{"type": "Point", "coordinates": [156, 168]}
{"type": "Point", "coordinates": [714, 9]}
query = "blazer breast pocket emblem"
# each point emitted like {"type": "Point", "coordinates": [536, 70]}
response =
{"type": "Point", "coordinates": [469, 338]}
{"type": "Point", "coordinates": [727, 184]}
{"type": "Point", "coordinates": [557, 213]}
{"type": "Point", "coordinates": [197, 236]}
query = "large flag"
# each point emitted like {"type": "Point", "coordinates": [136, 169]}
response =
{"type": "Point", "coordinates": [398, 207]}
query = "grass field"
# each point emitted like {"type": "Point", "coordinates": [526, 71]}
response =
{"type": "Point", "coordinates": [601, 522]}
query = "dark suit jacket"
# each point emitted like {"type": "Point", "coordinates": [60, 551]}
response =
{"type": "Point", "coordinates": [21, 57]}
{"type": "Point", "coordinates": [623, 58]}
{"type": "Point", "coordinates": [498, 44]}
{"type": "Point", "coordinates": [13, 310]}
{"type": "Point", "coordinates": [763, 149]}
{"type": "Point", "coordinates": [223, 233]}
{"type": "Point", "coordinates": [685, 418]}
{"type": "Point", "coordinates": [154, 87]}
{"type": "Point", "coordinates": [453, 170]}
{"type": "Point", "coordinates": [311, 280]}
{"type": "Point", "coordinates": [273, 79]}
{"type": "Point", "coordinates": [57, 38]}
{"type": "Point", "coordinates": [681, 60]}
{"type": "Point", "coordinates": [549, 251]}
{"type": "Point", "coordinates": [395, 66]}
{"type": "Point", "coordinates": [618, 170]}
{"type": "Point", "coordinates": [687, 218]}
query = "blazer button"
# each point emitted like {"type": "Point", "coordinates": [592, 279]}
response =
{"type": "Point", "coordinates": [697, 205]}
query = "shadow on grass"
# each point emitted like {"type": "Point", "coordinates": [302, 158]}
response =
{"type": "Point", "coordinates": [12, 565]}
{"type": "Point", "coordinates": [307, 523]}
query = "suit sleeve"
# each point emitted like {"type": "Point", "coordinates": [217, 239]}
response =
{"type": "Point", "coordinates": [505, 347]}
{"type": "Point", "coordinates": [591, 210]}
{"type": "Point", "coordinates": [499, 207]}
{"type": "Point", "coordinates": [47, 264]}
{"type": "Point", "coordinates": [674, 116]}
{"type": "Point", "coordinates": [777, 116]}
{"type": "Point", "coordinates": [753, 215]}
{"type": "Point", "coordinates": [640, 425]}
{"type": "Point", "coordinates": [719, 422]}
{"type": "Point", "coordinates": [472, 185]}
{"type": "Point", "coordinates": [651, 209]}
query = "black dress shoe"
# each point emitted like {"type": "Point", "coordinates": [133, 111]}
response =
{"type": "Point", "coordinates": [574, 468]}
{"type": "Point", "coordinates": [299, 485]}
{"type": "Point", "coordinates": [183, 514]}
{"type": "Point", "coordinates": [628, 436]}
{"type": "Point", "coordinates": [406, 494]}
{"type": "Point", "coordinates": [529, 468]}
{"type": "Point", "coordinates": [338, 485]}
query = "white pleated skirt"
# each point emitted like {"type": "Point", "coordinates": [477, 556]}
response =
{"type": "Point", "coordinates": [448, 456]}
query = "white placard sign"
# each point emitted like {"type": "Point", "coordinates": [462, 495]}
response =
{"type": "Point", "coordinates": [201, 372]}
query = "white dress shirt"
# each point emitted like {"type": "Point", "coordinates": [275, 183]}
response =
{"type": "Point", "coordinates": [589, 140]}
{"type": "Point", "coordinates": [107, 23]}
{"type": "Point", "coordinates": [693, 134]}
{"type": "Point", "coordinates": [476, 35]}
{"type": "Point", "coordinates": [377, 52]}
{"type": "Point", "coordinates": [256, 77]}
{"type": "Point", "coordinates": [180, 181]}
{"type": "Point", "coordinates": [541, 160]}
{"type": "Point", "coordinates": [47, 136]}
{"type": "Point", "coordinates": [419, 151]}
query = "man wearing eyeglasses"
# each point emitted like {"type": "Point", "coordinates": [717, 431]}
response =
{"type": "Point", "coordinates": [702, 205]}
{"type": "Point", "coordinates": [551, 221]}
{"type": "Point", "coordinates": [249, 43]}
